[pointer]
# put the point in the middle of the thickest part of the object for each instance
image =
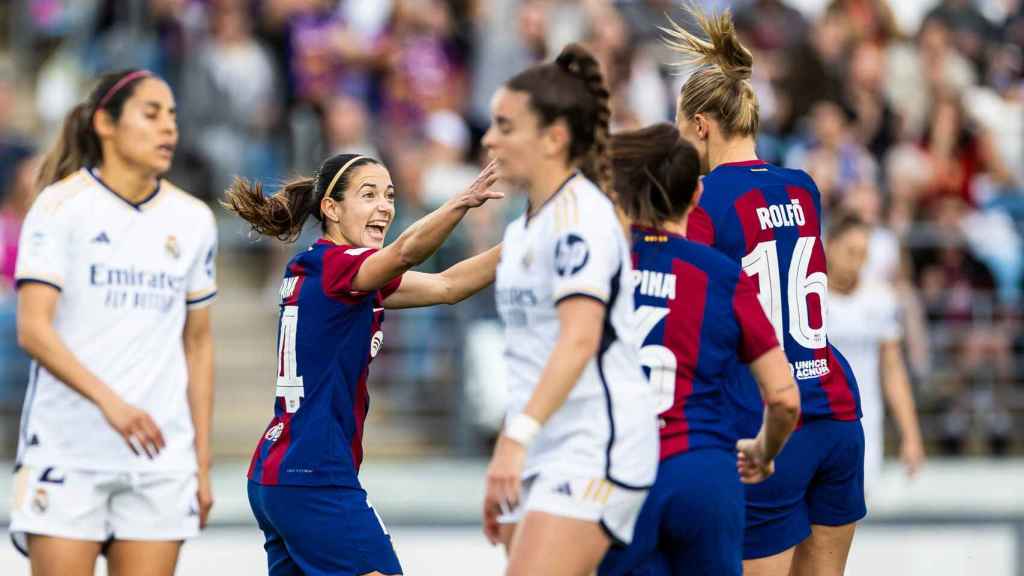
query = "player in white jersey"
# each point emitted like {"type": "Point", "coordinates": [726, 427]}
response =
{"type": "Point", "coordinates": [580, 446]}
{"type": "Point", "coordinates": [115, 273]}
{"type": "Point", "coordinates": [863, 321]}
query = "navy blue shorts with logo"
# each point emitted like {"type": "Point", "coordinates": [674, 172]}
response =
{"type": "Point", "coordinates": [691, 522]}
{"type": "Point", "coordinates": [321, 531]}
{"type": "Point", "coordinates": [819, 479]}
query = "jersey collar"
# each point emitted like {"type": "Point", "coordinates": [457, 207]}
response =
{"type": "Point", "coordinates": [656, 231]}
{"type": "Point", "coordinates": [550, 198]}
{"type": "Point", "coordinates": [135, 205]}
{"type": "Point", "coordinates": [754, 162]}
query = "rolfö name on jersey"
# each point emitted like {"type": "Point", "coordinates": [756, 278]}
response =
{"type": "Point", "coordinates": [807, 369]}
{"type": "Point", "coordinates": [655, 284]}
{"type": "Point", "coordinates": [137, 288]}
{"type": "Point", "coordinates": [780, 215]}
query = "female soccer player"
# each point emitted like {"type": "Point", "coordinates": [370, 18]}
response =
{"type": "Point", "coordinates": [768, 219]}
{"type": "Point", "coordinates": [580, 445]}
{"type": "Point", "coordinates": [699, 315]}
{"type": "Point", "coordinates": [864, 321]}
{"type": "Point", "coordinates": [303, 481]}
{"type": "Point", "coordinates": [115, 274]}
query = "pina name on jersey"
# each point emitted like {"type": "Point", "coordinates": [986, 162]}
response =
{"type": "Point", "coordinates": [779, 215]}
{"type": "Point", "coordinates": [655, 284]}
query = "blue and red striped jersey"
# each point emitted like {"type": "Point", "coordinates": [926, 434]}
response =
{"type": "Point", "coordinates": [700, 315]}
{"type": "Point", "coordinates": [328, 334]}
{"type": "Point", "coordinates": [768, 219]}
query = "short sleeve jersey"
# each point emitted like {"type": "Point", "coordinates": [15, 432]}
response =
{"type": "Point", "coordinates": [768, 219]}
{"type": "Point", "coordinates": [574, 246]}
{"type": "Point", "coordinates": [328, 334]}
{"type": "Point", "coordinates": [699, 315]}
{"type": "Point", "coordinates": [127, 275]}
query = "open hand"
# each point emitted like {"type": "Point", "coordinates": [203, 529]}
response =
{"type": "Point", "coordinates": [480, 190]}
{"type": "Point", "coordinates": [136, 427]}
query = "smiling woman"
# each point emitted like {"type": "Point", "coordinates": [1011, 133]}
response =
{"type": "Point", "coordinates": [114, 280]}
{"type": "Point", "coordinates": [303, 481]}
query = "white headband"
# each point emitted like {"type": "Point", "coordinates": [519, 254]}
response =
{"type": "Point", "coordinates": [330, 187]}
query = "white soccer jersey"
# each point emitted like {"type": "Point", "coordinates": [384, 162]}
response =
{"type": "Point", "coordinates": [127, 274]}
{"type": "Point", "coordinates": [858, 324]}
{"type": "Point", "coordinates": [574, 246]}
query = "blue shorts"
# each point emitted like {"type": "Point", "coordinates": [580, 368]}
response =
{"type": "Point", "coordinates": [819, 479]}
{"type": "Point", "coordinates": [691, 523]}
{"type": "Point", "coordinates": [321, 530]}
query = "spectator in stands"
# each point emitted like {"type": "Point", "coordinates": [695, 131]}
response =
{"type": "Point", "coordinates": [504, 49]}
{"type": "Point", "coordinates": [329, 53]}
{"type": "Point", "coordinates": [876, 123]}
{"type": "Point", "coordinates": [229, 100]}
{"type": "Point", "coordinates": [427, 72]}
{"type": "Point", "coordinates": [16, 194]}
{"type": "Point", "coordinates": [833, 156]}
{"type": "Point", "coordinates": [967, 329]}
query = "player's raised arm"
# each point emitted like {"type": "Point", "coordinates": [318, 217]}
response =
{"type": "Point", "coordinates": [449, 287]}
{"type": "Point", "coordinates": [354, 199]}
{"type": "Point", "coordinates": [420, 240]}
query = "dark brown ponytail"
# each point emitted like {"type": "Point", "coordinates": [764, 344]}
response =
{"type": "Point", "coordinates": [656, 173]}
{"type": "Point", "coordinates": [578, 61]}
{"type": "Point", "coordinates": [283, 215]}
{"type": "Point", "coordinates": [78, 145]}
{"type": "Point", "coordinates": [572, 88]}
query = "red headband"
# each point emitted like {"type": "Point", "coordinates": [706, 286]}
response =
{"type": "Point", "coordinates": [121, 84]}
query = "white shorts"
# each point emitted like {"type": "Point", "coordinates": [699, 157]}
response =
{"type": "Point", "coordinates": [615, 508]}
{"type": "Point", "coordinates": [101, 506]}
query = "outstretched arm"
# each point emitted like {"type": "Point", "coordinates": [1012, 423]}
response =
{"type": "Point", "coordinates": [449, 287]}
{"type": "Point", "coordinates": [425, 236]}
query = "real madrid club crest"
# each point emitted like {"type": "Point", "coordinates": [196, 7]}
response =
{"type": "Point", "coordinates": [171, 246]}
{"type": "Point", "coordinates": [40, 501]}
{"type": "Point", "coordinates": [527, 257]}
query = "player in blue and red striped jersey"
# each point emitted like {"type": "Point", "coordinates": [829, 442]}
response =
{"type": "Point", "coordinates": [303, 481]}
{"type": "Point", "coordinates": [768, 219]}
{"type": "Point", "coordinates": [699, 315]}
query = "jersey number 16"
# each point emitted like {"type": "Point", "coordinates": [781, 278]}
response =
{"type": "Point", "coordinates": [763, 263]}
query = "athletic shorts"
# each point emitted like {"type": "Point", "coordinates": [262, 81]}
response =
{"type": "Point", "coordinates": [819, 479]}
{"type": "Point", "coordinates": [321, 531]}
{"type": "Point", "coordinates": [102, 506]}
{"type": "Point", "coordinates": [692, 521]}
{"type": "Point", "coordinates": [592, 499]}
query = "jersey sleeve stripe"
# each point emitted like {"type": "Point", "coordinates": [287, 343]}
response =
{"type": "Point", "coordinates": [33, 280]}
{"type": "Point", "coordinates": [594, 292]}
{"type": "Point", "coordinates": [560, 299]}
{"type": "Point", "coordinates": [199, 295]}
{"type": "Point", "coordinates": [205, 299]}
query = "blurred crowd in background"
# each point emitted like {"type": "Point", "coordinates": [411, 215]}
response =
{"type": "Point", "coordinates": [909, 114]}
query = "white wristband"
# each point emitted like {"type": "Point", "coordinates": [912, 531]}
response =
{"type": "Point", "coordinates": [522, 428]}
